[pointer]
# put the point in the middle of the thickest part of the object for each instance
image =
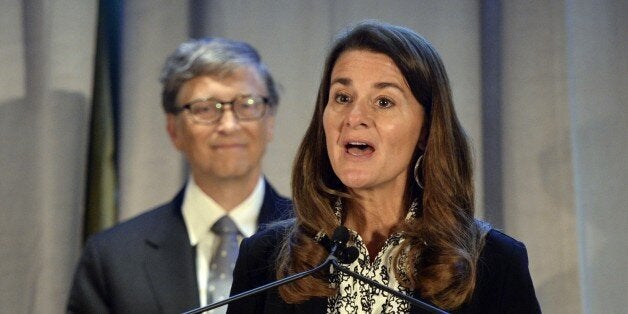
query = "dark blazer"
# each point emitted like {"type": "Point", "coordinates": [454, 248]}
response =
{"type": "Point", "coordinates": [146, 265]}
{"type": "Point", "coordinates": [504, 282]}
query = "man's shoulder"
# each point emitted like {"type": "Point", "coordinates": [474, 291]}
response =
{"type": "Point", "coordinates": [138, 228]}
{"type": "Point", "coordinates": [273, 196]}
{"type": "Point", "coordinates": [275, 206]}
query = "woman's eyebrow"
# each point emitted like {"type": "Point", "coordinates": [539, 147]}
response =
{"type": "Point", "coordinates": [341, 80]}
{"type": "Point", "coordinates": [382, 85]}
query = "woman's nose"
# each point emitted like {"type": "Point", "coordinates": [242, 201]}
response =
{"type": "Point", "coordinates": [358, 114]}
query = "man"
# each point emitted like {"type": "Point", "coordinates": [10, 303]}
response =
{"type": "Point", "coordinates": [220, 102]}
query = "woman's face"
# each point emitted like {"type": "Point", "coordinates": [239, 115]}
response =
{"type": "Point", "coordinates": [372, 121]}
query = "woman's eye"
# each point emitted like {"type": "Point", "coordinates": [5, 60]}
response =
{"type": "Point", "coordinates": [384, 103]}
{"type": "Point", "coordinates": [342, 98]}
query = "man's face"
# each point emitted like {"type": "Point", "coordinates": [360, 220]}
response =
{"type": "Point", "coordinates": [227, 149]}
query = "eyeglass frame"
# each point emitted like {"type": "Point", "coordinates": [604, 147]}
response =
{"type": "Point", "coordinates": [219, 105]}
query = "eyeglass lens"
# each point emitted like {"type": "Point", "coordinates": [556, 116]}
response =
{"type": "Point", "coordinates": [245, 108]}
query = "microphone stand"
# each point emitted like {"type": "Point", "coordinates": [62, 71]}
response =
{"type": "Point", "coordinates": [421, 304]}
{"type": "Point", "coordinates": [331, 259]}
{"type": "Point", "coordinates": [265, 287]}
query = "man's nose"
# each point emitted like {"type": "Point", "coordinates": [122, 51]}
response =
{"type": "Point", "coordinates": [228, 121]}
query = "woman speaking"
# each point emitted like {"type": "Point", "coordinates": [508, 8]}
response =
{"type": "Point", "coordinates": [385, 156]}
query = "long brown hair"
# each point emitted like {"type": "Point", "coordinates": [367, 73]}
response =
{"type": "Point", "coordinates": [445, 241]}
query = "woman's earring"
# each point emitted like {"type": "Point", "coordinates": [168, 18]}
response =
{"type": "Point", "coordinates": [416, 171]}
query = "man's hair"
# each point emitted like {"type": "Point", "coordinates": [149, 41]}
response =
{"type": "Point", "coordinates": [213, 57]}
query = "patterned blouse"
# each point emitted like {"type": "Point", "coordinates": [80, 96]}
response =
{"type": "Point", "coordinates": [355, 296]}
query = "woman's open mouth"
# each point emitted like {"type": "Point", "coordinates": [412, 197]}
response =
{"type": "Point", "coordinates": [359, 148]}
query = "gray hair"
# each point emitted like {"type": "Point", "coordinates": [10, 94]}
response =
{"type": "Point", "coordinates": [211, 56]}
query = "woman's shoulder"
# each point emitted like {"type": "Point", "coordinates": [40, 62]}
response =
{"type": "Point", "coordinates": [502, 248]}
{"type": "Point", "coordinates": [256, 261]}
{"type": "Point", "coordinates": [504, 283]}
{"type": "Point", "coordinates": [268, 238]}
{"type": "Point", "coordinates": [501, 241]}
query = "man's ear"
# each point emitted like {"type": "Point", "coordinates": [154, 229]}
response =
{"type": "Point", "coordinates": [173, 130]}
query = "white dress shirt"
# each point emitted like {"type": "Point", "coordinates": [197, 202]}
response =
{"type": "Point", "coordinates": [200, 212]}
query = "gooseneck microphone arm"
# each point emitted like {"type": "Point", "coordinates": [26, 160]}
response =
{"type": "Point", "coordinates": [259, 289]}
{"type": "Point", "coordinates": [338, 253]}
{"type": "Point", "coordinates": [339, 241]}
{"type": "Point", "coordinates": [346, 255]}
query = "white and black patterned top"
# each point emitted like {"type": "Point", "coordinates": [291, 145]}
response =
{"type": "Point", "coordinates": [355, 296]}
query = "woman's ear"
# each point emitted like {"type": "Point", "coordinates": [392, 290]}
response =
{"type": "Point", "coordinates": [423, 137]}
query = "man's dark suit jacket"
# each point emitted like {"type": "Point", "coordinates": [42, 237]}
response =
{"type": "Point", "coordinates": [504, 282]}
{"type": "Point", "coordinates": [147, 265]}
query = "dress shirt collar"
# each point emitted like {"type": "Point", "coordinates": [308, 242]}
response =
{"type": "Point", "coordinates": [200, 211]}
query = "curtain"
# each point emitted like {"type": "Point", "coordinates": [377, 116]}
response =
{"type": "Point", "coordinates": [597, 76]}
{"type": "Point", "coordinates": [46, 51]}
{"type": "Point", "coordinates": [539, 87]}
{"type": "Point", "coordinates": [150, 170]}
{"type": "Point", "coordinates": [101, 199]}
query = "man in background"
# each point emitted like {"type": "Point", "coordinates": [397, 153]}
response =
{"type": "Point", "coordinates": [220, 102]}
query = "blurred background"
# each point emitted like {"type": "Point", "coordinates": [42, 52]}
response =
{"type": "Point", "coordinates": [540, 86]}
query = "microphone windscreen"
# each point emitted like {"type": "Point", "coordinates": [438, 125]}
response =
{"type": "Point", "coordinates": [348, 255]}
{"type": "Point", "coordinates": [341, 235]}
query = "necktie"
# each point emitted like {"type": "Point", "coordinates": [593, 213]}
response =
{"type": "Point", "coordinates": [222, 261]}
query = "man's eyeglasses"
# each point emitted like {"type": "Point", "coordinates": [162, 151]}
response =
{"type": "Point", "coordinates": [209, 110]}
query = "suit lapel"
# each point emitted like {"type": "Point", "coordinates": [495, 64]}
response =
{"type": "Point", "coordinates": [170, 263]}
{"type": "Point", "coordinates": [274, 208]}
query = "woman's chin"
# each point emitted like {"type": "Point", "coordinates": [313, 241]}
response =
{"type": "Point", "coordinates": [357, 182]}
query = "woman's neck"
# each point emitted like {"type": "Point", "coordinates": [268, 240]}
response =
{"type": "Point", "coordinates": [374, 217]}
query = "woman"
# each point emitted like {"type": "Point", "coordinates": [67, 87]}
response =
{"type": "Point", "coordinates": [385, 156]}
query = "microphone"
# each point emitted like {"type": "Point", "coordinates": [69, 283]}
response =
{"type": "Point", "coordinates": [339, 239]}
{"type": "Point", "coordinates": [348, 255]}
{"type": "Point", "coordinates": [338, 253]}
{"type": "Point", "coordinates": [338, 242]}
{"type": "Point", "coordinates": [337, 246]}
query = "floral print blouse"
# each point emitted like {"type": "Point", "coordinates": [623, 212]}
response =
{"type": "Point", "coordinates": [353, 295]}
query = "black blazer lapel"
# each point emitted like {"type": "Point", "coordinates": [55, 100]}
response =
{"type": "Point", "coordinates": [415, 309]}
{"type": "Point", "coordinates": [170, 263]}
{"type": "Point", "coordinates": [312, 306]}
